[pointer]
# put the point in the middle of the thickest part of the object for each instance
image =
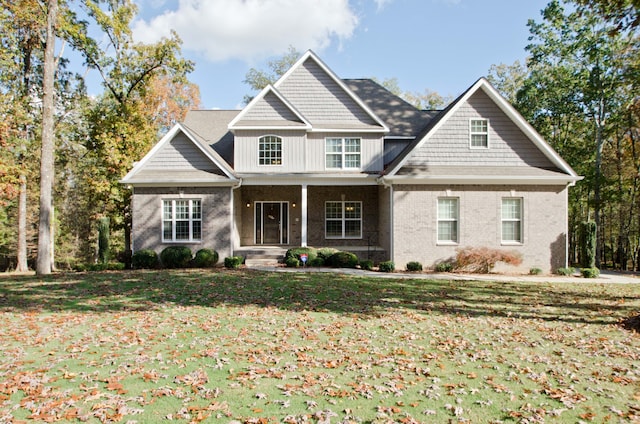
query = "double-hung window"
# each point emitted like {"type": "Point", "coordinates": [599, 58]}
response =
{"type": "Point", "coordinates": [181, 220]}
{"type": "Point", "coordinates": [343, 220]}
{"type": "Point", "coordinates": [479, 133]}
{"type": "Point", "coordinates": [511, 220]}
{"type": "Point", "coordinates": [342, 153]}
{"type": "Point", "coordinates": [270, 150]}
{"type": "Point", "coordinates": [448, 213]}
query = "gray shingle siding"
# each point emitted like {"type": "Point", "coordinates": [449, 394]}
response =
{"type": "Point", "coordinates": [450, 146]}
{"type": "Point", "coordinates": [180, 154]}
{"type": "Point", "coordinates": [320, 99]}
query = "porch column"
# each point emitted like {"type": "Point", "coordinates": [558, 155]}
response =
{"type": "Point", "coordinates": [303, 211]}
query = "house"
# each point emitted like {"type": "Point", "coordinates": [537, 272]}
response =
{"type": "Point", "coordinates": [315, 160]}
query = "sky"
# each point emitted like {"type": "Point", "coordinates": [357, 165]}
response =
{"type": "Point", "coordinates": [440, 45]}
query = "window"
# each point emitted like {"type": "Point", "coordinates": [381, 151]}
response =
{"type": "Point", "coordinates": [512, 220]}
{"type": "Point", "coordinates": [181, 220]}
{"type": "Point", "coordinates": [448, 220]}
{"type": "Point", "coordinates": [343, 219]}
{"type": "Point", "coordinates": [479, 130]}
{"type": "Point", "coordinates": [270, 150]}
{"type": "Point", "coordinates": [342, 153]}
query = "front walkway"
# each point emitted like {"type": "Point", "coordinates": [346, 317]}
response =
{"type": "Point", "coordinates": [605, 276]}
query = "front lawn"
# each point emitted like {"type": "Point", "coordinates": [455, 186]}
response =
{"type": "Point", "coordinates": [258, 347]}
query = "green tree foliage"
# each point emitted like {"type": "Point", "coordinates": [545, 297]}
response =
{"type": "Point", "coordinates": [258, 79]}
{"type": "Point", "coordinates": [575, 90]}
{"type": "Point", "coordinates": [120, 127]}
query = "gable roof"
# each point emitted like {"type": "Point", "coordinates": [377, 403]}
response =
{"type": "Point", "coordinates": [211, 169]}
{"type": "Point", "coordinates": [337, 99]}
{"type": "Point", "coordinates": [269, 110]}
{"type": "Point", "coordinates": [566, 172]}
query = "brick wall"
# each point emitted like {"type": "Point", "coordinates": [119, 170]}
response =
{"type": "Point", "coordinates": [544, 223]}
{"type": "Point", "coordinates": [216, 220]}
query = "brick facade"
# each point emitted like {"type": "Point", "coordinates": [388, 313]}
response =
{"type": "Point", "coordinates": [544, 229]}
{"type": "Point", "coordinates": [216, 217]}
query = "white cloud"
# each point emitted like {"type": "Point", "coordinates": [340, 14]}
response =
{"type": "Point", "coordinates": [251, 29]}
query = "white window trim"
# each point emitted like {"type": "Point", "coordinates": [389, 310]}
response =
{"type": "Point", "coordinates": [472, 133]}
{"type": "Point", "coordinates": [342, 220]}
{"type": "Point", "coordinates": [457, 220]}
{"type": "Point", "coordinates": [343, 153]}
{"type": "Point", "coordinates": [521, 220]}
{"type": "Point", "coordinates": [281, 150]}
{"type": "Point", "coordinates": [173, 221]}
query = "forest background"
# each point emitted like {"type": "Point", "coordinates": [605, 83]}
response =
{"type": "Point", "coordinates": [62, 152]}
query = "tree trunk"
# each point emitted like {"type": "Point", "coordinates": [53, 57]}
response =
{"type": "Point", "coordinates": [44, 263]}
{"type": "Point", "coordinates": [22, 265]}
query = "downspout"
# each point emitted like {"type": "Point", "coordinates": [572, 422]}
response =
{"type": "Point", "coordinates": [383, 182]}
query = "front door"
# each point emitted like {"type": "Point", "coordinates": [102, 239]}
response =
{"type": "Point", "coordinates": [272, 222]}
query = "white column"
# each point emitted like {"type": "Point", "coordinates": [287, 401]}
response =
{"type": "Point", "coordinates": [303, 211]}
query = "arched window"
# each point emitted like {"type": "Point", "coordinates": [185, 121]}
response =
{"type": "Point", "coordinates": [270, 150]}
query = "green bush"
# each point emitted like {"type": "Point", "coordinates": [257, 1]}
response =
{"type": "Point", "coordinates": [295, 252]}
{"type": "Point", "coordinates": [145, 258]}
{"type": "Point", "coordinates": [292, 262]}
{"type": "Point", "coordinates": [205, 258]}
{"type": "Point", "coordinates": [316, 262]}
{"type": "Point", "coordinates": [535, 271]}
{"type": "Point", "coordinates": [414, 266]}
{"type": "Point", "coordinates": [176, 257]}
{"type": "Point", "coordinates": [590, 272]}
{"type": "Point", "coordinates": [342, 260]}
{"type": "Point", "coordinates": [565, 271]}
{"type": "Point", "coordinates": [233, 262]}
{"type": "Point", "coordinates": [325, 252]}
{"type": "Point", "coordinates": [109, 266]}
{"type": "Point", "coordinates": [387, 266]}
{"type": "Point", "coordinates": [588, 233]}
{"type": "Point", "coordinates": [366, 264]}
{"type": "Point", "coordinates": [444, 267]}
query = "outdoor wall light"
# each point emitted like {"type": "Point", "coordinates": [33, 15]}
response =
{"type": "Point", "coordinates": [248, 204]}
{"type": "Point", "coordinates": [293, 204]}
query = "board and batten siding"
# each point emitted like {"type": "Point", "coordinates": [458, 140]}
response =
{"type": "Point", "coordinates": [371, 151]}
{"type": "Point", "coordinates": [180, 154]}
{"type": "Point", "coordinates": [320, 99]}
{"type": "Point", "coordinates": [450, 145]}
{"type": "Point", "coordinates": [302, 152]}
{"type": "Point", "coordinates": [247, 147]}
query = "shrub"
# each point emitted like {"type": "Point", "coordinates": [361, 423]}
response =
{"type": "Point", "coordinates": [444, 267]}
{"type": "Point", "coordinates": [176, 257]}
{"type": "Point", "coordinates": [103, 240]}
{"type": "Point", "coordinates": [366, 264]}
{"type": "Point", "coordinates": [592, 272]}
{"type": "Point", "coordinates": [233, 262]}
{"type": "Point", "coordinates": [342, 260]}
{"type": "Point", "coordinates": [325, 252]}
{"type": "Point", "coordinates": [483, 259]}
{"type": "Point", "coordinates": [565, 271]}
{"type": "Point", "coordinates": [145, 258]}
{"type": "Point", "coordinates": [588, 232]}
{"type": "Point", "coordinates": [292, 262]}
{"type": "Point", "coordinates": [387, 266]}
{"type": "Point", "coordinates": [414, 266]}
{"type": "Point", "coordinates": [205, 258]}
{"type": "Point", "coordinates": [535, 271]}
{"type": "Point", "coordinates": [109, 266]}
{"type": "Point", "coordinates": [316, 262]}
{"type": "Point", "coordinates": [295, 252]}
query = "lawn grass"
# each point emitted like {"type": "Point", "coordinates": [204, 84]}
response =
{"type": "Point", "coordinates": [258, 347]}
